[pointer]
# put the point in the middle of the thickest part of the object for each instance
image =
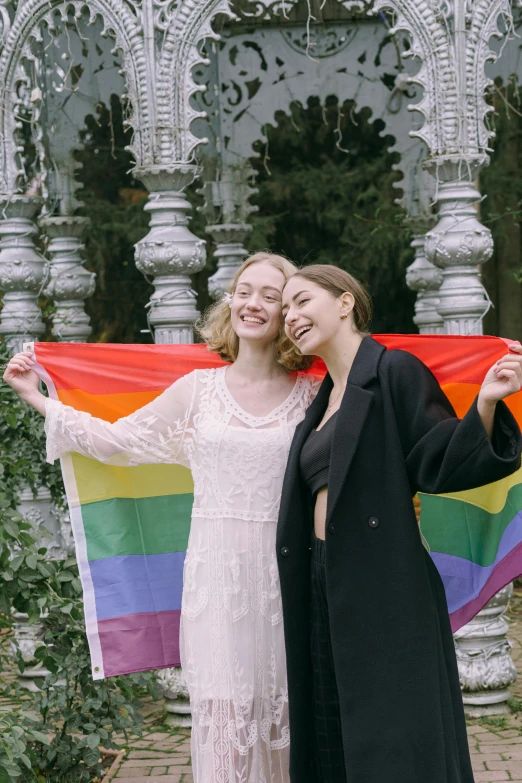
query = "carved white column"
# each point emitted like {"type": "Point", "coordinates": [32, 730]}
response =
{"type": "Point", "coordinates": [22, 271]}
{"type": "Point", "coordinates": [172, 684]}
{"type": "Point", "coordinates": [170, 252]}
{"type": "Point", "coordinates": [69, 283]}
{"type": "Point", "coordinates": [230, 254]}
{"type": "Point", "coordinates": [168, 255]}
{"type": "Point", "coordinates": [227, 207]}
{"type": "Point", "coordinates": [425, 279]}
{"type": "Point", "coordinates": [40, 511]}
{"type": "Point", "coordinates": [484, 657]}
{"type": "Point", "coordinates": [458, 244]}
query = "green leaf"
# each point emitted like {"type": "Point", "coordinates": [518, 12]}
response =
{"type": "Point", "coordinates": [67, 608]}
{"type": "Point", "coordinates": [5, 777]}
{"type": "Point", "coordinates": [50, 664]}
{"type": "Point", "coordinates": [39, 737]}
{"type": "Point", "coordinates": [11, 528]}
{"type": "Point", "coordinates": [31, 561]}
{"type": "Point", "coordinates": [65, 576]}
{"type": "Point", "coordinates": [25, 760]}
{"type": "Point", "coordinates": [11, 420]}
{"type": "Point", "coordinates": [44, 570]}
{"type": "Point", "coordinates": [16, 562]}
{"type": "Point", "coordinates": [93, 740]}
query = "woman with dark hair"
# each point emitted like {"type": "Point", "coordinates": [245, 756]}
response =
{"type": "Point", "coordinates": [373, 682]}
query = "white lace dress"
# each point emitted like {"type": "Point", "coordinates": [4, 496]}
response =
{"type": "Point", "coordinates": [232, 645]}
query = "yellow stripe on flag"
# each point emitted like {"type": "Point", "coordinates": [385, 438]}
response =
{"type": "Point", "coordinates": [96, 481]}
{"type": "Point", "coordinates": [490, 497]}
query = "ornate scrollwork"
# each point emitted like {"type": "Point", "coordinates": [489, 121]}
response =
{"type": "Point", "coordinates": [326, 42]}
{"type": "Point", "coordinates": [452, 126]}
{"type": "Point", "coordinates": [120, 21]}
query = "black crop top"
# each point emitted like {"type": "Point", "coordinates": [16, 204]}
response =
{"type": "Point", "coordinates": [315, 456]}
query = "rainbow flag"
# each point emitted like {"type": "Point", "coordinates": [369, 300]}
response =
{"type": "Point", "coordinates": [131, 525]}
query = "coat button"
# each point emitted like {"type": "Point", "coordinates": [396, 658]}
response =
{"type": "Point", "coordinates": [373, 522]}
{"type": "Point", "coordinates": [284, 551]}
{"type": "Point", "coordinates": [331, 528]}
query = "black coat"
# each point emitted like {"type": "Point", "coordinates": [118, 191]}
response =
{"type": "Point", "coordinates": [396, 434]}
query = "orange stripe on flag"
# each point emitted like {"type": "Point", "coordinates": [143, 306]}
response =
{"type": "Point", "coordinates": [106, 406]}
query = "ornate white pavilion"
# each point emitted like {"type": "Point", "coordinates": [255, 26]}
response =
{"type": "Point", "coordinates": [200, 80]}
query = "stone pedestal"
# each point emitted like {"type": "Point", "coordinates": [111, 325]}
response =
{"type": "Point", "coordinates": [172, 684]}
{"type": "Point", "coordinates": [52, 529]}
{"type": "Point", "coordinates": [28, 638]}
{"type": "Point", "coordinates": [458, 244]}
{"type": "Point", "coordinates": [425, 279]}
{"type": "Point", "coordinates": [170, 252]}
{"type": "Point", "coordinates": [484, 657]}
{"type": "Point", "coordinates": [69, 283]}
{"type": "Point", "coordinates": [22, 271]}
{"type": "Point", "coordinates": [230, 254]}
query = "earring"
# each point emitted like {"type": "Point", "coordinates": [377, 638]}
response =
{"type": "Point", "coordinates": [227, 297]}
{"type": "Point", "coordinates": [344, 315]}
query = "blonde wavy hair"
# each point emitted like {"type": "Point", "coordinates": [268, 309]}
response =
{"type": "Point", "coordinates": [215, 327]}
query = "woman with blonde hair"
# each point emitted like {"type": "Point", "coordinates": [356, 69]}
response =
{"type": "Point", "coordinates": [233, 427]}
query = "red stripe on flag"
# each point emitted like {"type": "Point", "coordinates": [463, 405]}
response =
{"type": "Point", "coordinates": [146, 368]}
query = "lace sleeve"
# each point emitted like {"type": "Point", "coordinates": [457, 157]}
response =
{"type": "Point", "coordinates": [152, 434]}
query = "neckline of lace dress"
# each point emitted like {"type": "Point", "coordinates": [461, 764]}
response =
{"type": "Point", "coordinates": [249, 418]}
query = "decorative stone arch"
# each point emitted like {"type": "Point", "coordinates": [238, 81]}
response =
{"type": "Point", "coordinates": [449, 64]}
{"type": "Point", "coordinates": [452, 71]}
{"type": "Point", "coordinates": [120, 21]}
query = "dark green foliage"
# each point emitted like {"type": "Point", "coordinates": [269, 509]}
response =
{"type": "Point", "coordinates": [114, 202]}
{"type": "Point", "coordinates": [501, 211]}
{"type": "Point", "coordinates": [71, 716]}
{"type": "Point", "coordinates": [22, 446]}
{"type": "Point", "coordinates": [322, 204]}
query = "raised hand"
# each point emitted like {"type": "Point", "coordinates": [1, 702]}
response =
{"type": "Point", "coordinates": [504, 378]}
{"type": "Point", "coordinates": [19, 375]}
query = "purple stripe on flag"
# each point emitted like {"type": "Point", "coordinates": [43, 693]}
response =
{"type": "Point", "coordinates": [138, 642]}
{"type": "Point", "coordinates": [132, 584]}
{"type": "Point", "coordinates": [508, 569]}
{"type": "Point", "coordinates": [465, 580]}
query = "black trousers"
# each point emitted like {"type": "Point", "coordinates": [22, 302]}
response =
{"type": "Point", "coordinates": [327, 718]}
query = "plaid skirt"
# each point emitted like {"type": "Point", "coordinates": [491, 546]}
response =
{"type": "Point", "coordinates": [329, 755]}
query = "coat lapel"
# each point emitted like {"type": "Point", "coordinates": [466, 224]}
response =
{"type": "Point", "coordinates": [351, 417]}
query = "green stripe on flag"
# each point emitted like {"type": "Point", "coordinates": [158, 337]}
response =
{"type": "Point", "coordinates": [137, 526]}
{"type": "Point", "coordinates": [465, 530]}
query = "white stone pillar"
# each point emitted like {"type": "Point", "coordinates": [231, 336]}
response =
{"type": "Point", "coordinates": [230, 254]}
{"type": "Point", "coordinates": [40, 511]}
{"type": "Point", "coordinates": [425, 279]}
{"type": "Point", "coordinates": [22, 271]}
{"type": "Point", "coordinates": [69, 282]}
{"type": "Point", "coordinates": [484, 657]}
{"type": "Point", "coordinates": [170, 252]}
{"type": "Point", "coordinates": [168, 255]}
{"type": "Point", "coordinates": [227, 207]}
{"type": "Point", "coordinates": [458, 245]}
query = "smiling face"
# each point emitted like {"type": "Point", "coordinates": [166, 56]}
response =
{"type": "Point", "coordinates": [312, 315]}
{"type": "Point", "coordinates": [256, 303]}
